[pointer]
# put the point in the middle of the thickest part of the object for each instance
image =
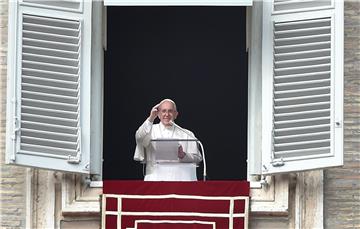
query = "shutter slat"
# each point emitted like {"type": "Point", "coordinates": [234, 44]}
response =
{"type": "Point", "coordinates": [304, 122]}
{"type": "Point", "coordinates": [296, 118]}
{"type": "Point", "coordinates": [302, 47]}
{"type": "Point", "coordinates": [49, 105]}
{"type": "Point", "coordinates": [49, 127]}
{"type": "Point", "coordinates": [302, 145]}
{"type": "Point", "coordinates": [33, 64]}
{"type": "Point", "coordinates": [73, 5]}
{"type": "Point", "coordinates": [314, 152]}
{"type": "Point", "coordinates": [302, 107]}
{"type": "Point", "coordinates": [302, 137]}
{"type": "Point", "coordinates": [50, 97]}
{"type": "Point", "coordinates": [50, 120]}
{"type": "Point", "coordinates": [302, 62]}
{"type": "Point", "coordinates": [293, 24]}
{"type": "Point", "coordinates": [301, 39]}
{"type": "Point", "coordinates": [312, 67]}
{"type": "Point", "coordinates": [49, 89]}
{"type": "Point", "coordinates": [291, 30]}
{"type": "Point", "coordinates": [50, 59]}
{"type": "Point", "coordinates": [302, 32]}
{"type": "Point", "coordinates": [36, 35]}
{"type": "Point", "coordinates": [302, 69]}
{"type": "Point", "coordinates": [299, 5]}
{"type": "Point", "coordinates": [47, 151]}
{"type": "Point", "coordinates": [302, 130]}
{"type": "Point", "coordinates": [50, 52]}
{"type": "Point", "coordinates": [302, 92]}
{"type": "Point", "coordinates": [49, 142]}
{"type": "Point", "coordinates": [50, 82]}
{"type": "Point", "coordinates": [302, 54]}
{"type": "Point", "coordinates": [57, 22]}
{"type": "Point", "coordinates": [62, 83]}
{"type": "Point", "coordinates": [302, 114]}
{"type": "Point", "coordinates": [49, 112]}
{"type": "Point", "coordinates": [50, 74]}
{"type": "Point", "coordinates": [73, 32]}
{"type": "Point", "coordinates": [302, 99]}
{"type": "Point", "coordinates": [51, 45]}
{"type": "Point", "coordinates": [302, 77]}
{"type": "Point", "coordinates": [61, 119]}
{"type": "Point", "coordinates": [293, 86]}
{"type": "Point", "coordinates": [49, 135]}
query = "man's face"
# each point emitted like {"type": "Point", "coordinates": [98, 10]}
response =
{"type": "Point", "coordinates": [167, 113]}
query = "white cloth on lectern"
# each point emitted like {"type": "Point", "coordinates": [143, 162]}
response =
{"type": "Point", "coordinates": [166, 171]}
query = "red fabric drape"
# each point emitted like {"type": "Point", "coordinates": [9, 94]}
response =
{"type": "Point", "coordinates": [198, 188]}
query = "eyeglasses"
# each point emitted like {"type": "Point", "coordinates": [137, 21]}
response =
{"type": "Point", "coordinates": [167, 111]}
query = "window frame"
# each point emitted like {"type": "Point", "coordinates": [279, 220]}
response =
{"type": "Point", "coordinates": [270, 194]}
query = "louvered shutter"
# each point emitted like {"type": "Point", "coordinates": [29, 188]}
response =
{"type": "Point", "coordinates": [302, 85]}
{"type": "Point", "coordinates": [48, 112]}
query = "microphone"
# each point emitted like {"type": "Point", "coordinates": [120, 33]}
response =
{"type": "Point", "coordinates": [201, 146]}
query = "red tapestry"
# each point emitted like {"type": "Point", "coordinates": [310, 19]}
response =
{"type": "Point", "coordinates": [200, 205]}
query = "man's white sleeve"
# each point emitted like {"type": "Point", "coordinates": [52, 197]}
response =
{"type": "Point", "coordinates": [192, 154]}
{"type": "Point", "coordinates": [143, 134]}
{"type": "Point", "coordinates": [143, 137]}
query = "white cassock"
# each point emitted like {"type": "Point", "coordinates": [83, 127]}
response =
{"type": "Point", "coordinates": [166, 171]}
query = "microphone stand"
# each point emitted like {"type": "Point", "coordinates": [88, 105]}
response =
{"type": "Point", "coordinates": [201, 146]}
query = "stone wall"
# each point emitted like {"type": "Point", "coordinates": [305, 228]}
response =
{"type": "Point", "coordinates": [12, 178]}
{"type": "Point", "coordinates": [342, 185]}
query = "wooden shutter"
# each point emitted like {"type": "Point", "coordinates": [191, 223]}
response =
{"type": "Point", "coordinates": [302, 85]}
{"type": "Point", "coordinates": [48, 99]}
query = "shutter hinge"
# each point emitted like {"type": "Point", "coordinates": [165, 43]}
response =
{"type": "Point", "coordinates": [74, 160]}
{"type": "Point", "coordinates": [338, 124]}
{"type": "Point", "coordinates": [16, 128]}
{"type": "Point", "coordinates": [278, 162]}
{"type": "Point", "coordinates": [14, 136]}
{"type": "Point", "coordinates": [87, 167]}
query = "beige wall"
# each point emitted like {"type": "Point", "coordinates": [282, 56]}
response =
{"type": "Point", "coordinates": [342, 185]}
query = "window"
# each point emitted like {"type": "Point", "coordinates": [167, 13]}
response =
{"type": "Point", "coordinates": [50, 119]}
{"type": "Point", "coordinates": [194, 55]}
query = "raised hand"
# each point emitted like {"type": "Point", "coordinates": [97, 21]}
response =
{"type": "Point", "coordinates": [154, 112]}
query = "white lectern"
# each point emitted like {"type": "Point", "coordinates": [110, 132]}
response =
{"type": "Point", "coordinates": [165, 163]}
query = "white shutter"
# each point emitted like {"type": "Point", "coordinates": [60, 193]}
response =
{"type": "Point", "coordinates": [302, 85]}
{"type": "Point", "coordinates": [49, 85]}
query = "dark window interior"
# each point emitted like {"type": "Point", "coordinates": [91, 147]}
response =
{"type": "Point", "coordinates": [193, 55]}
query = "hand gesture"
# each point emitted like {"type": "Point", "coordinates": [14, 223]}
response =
{"type": "Point", "coordinates": [154, 112]}
{"type": "Point", "coordinates": [181, 153]}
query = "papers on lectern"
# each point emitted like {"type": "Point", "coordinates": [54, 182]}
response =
{"type": "Point", "coordinates": [166, 151]}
